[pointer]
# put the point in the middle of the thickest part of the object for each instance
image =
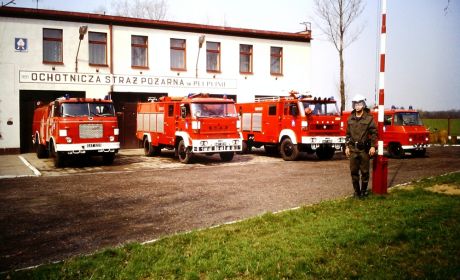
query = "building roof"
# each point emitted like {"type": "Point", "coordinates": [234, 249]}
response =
{"type": "Point", "coordinates": [304, 36]}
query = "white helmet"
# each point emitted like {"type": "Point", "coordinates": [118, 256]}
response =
{"type": "Point", "coordinates": [358, 99]}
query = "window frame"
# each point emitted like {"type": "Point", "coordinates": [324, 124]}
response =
{"type": "Point", "coordinates": [216, 52]}
{"type": "Point", "coordinates": [90, 42]}
{"type": "Point", "coordinates": [51, 39]}
{"type": "Point", "coordinates": [183, 49]}
{"type": "Point", "coordinates": [144, 46]}
{"type": "Point", "coordinates": [250, 55]}
{"type": "Point", "coordinates": [279, 57]}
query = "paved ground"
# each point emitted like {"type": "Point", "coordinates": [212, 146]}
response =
{"type": "Point", "coordinates": [80, 209]}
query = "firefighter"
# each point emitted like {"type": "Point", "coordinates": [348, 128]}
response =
{"type": "Point", "coordinates": [361, 140]}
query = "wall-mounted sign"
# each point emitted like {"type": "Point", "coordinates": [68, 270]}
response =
{"type": "Point", "coordinates": [21, 44]}
{"type": "Point", "coordinates": [123, 80]}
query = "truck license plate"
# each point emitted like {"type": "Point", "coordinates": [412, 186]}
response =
{"type": "Point", "coordinates": [93, 145]}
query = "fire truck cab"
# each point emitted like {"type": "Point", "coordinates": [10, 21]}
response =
{"type": "Point", "coordinates": [403, 131]}
{"type": "Point", "coordinates": [292, 124]}
{"type": "Point", "coordinates": [73, 126]}
{"type": "Point", "coordinates": [197, 124]}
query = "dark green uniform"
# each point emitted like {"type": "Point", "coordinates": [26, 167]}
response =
{"type": "Point", "coordinates": [361, 135]}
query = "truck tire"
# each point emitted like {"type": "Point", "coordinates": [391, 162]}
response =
{"type": "Point", "coordinates": [185, 155]}
{"type": "Point", "coordinates": [395, 150]}
{"type": "Point", "coordinates": [419, 153]}
{"type": "Point", "coordinates": [325, 153]}
{"type": "Point", "coordinates": [227, 156]}
{"type": "Point", "coordinates": [289, 151]}
{"type": "Point", "coordinates": [40, 149]}
{"type": "Point", "coordinates": [149, 150]}
{"type": "Point", "coordinates": [108, 158]}
{"type": "Point", "coordinates": [246, 148]}
{"type": "Point", "coordinates": [58, 157]}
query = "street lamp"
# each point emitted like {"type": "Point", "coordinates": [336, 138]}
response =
{"type": "Point", "coordinates": [200, 45]}
{"type": "Point", "coordinates": [83, 29]}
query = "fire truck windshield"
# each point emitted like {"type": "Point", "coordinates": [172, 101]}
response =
{"type": "Point", "coordinates": [213, 109]}
{"type": "Point", "coordinates": [320, 108]}
{"type": "Point", "coordinates": [407, 118]}
{"type": "Point", "coordinates": [87, 109]}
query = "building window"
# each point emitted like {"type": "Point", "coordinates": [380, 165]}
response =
{"type": "Point", "coordinates": [178, 61]}
{"type": "Point", "coordinates": [246, 59]}
{"type": "Point", "coordinates": [212, 57]}
{"type": "Point", "coordinates": [52, 46]}
{"type": "Point", "coordinates": [139, 51]}
{"type": "Point", "coordinates": [97, 48]}
{"type": "Point", "coordinates": [276, 61]}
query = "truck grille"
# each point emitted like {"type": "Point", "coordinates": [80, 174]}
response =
{"type": "Point", "coordinates": [91, 131]}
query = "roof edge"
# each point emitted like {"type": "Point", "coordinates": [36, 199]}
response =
{"type": "Point", "coordinates": [30, 13]}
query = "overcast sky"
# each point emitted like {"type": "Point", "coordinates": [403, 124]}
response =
{"type": "Point", "coordinates": [423, 43]}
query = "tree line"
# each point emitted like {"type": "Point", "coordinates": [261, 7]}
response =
{"type": "Point", "coordinates": [452, 114]}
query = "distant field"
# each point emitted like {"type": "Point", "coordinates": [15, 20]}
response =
{"type": "Point", "coordinates": [441, 124]}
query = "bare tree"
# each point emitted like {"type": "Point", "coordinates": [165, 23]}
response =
{"type": "Point", "coordinates": [336, 17]}
{"type": "Point", "coordinates": [149, 9]}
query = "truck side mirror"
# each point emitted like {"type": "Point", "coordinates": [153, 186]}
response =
{"type": "Point", "coordinates": [183, 112]}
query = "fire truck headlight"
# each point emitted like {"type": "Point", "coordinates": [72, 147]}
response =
{"type": "Point", "coordinates": [304, 124]}
{"type": "Point", "coordinates": [62, 132]}
{"type": "Point", "coordinates": [116, 131]}
{"type": "Point", "coordinates": [68, 140]}
{"type": "Point", "coordinates": [426, 139]}
{"type": "Point", "coordinates": [410, 139]}
{"type": "Point", "coordinates": [112, 138]}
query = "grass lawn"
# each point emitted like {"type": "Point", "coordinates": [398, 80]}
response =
{"type": "Point", "coordinates": [441, 124]}
{"type": "Point", "coordinates": [411, 233]}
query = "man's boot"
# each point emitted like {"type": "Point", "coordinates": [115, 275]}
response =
{"type": "Point", "coordinates": [356, 188]}
{"type": "Point", "coordinates": [364, 189]}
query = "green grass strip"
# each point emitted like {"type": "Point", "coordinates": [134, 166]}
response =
{"type": "Point", "coordinates": [411, 233]}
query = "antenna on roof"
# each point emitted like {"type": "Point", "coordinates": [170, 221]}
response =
{"type": "Point", "coordinates": [307, 25]}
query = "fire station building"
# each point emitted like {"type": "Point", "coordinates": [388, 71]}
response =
{"type": "Point", "coordinates": [46, 54]}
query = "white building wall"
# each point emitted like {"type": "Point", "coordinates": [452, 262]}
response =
{"type": "Point", "coordinates": [17, 68]}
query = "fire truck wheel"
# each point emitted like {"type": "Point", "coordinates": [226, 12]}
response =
{"type": "Point", "coordinates": [58, 157]}
{"type": "Point", "coordinates": [185, 155]}
{"type": "Point", "coordinates": [108, 158]}
{"type": "Point", "coordinates": [41, 151]}
{"type": "Point", "coordinates": [289, 151]}
{"type": "Point", "coordinates": [395, 150]}
{"type": "Point", "coordinates": [228, 156]}
{"type": "Point", "coordinates": [246, 148]}
{"type": "Point", "coordinates": [149, 150]}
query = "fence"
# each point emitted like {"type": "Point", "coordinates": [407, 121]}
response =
{"type": "Point", "coordinates": [443, 131]}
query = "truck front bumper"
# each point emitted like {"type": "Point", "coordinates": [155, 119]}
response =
{"type": "Point", "coordinates": [82, 148]}
{"type": "Point", "coordinates": [415, 147]}
{"type": "Point", "coordinates": [317, 141]}
{"type": "Point", "coordinates": [217, 145]}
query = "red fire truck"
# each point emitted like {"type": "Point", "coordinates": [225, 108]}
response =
{"type": "Point", "coordinates": [292, 124]}
{"type": "Point", "coordinates": [403, 132]}
{"type": "Point", "coordinates": [197, 124]}
{"type": "Point", "coordinates": [74, 126]}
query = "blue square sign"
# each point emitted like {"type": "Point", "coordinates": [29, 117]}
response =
{"type": "Point", "coordinates": [21, 44]}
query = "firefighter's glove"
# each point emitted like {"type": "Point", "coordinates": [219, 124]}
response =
{"type": "Point", "coordinates": [372, 151]}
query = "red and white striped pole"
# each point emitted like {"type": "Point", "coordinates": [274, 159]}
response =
{"type": "Point", "coordinates": [380, 170]}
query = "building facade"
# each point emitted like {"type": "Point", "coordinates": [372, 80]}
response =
{"type": "Point", "coordinates": [45, 54]}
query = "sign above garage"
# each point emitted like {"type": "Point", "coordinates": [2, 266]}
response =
{"type": "Point", "coordinates": [122, 80]}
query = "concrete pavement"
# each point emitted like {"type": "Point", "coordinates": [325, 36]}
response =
{"type": "Point", "coordinates": [13, 166]}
